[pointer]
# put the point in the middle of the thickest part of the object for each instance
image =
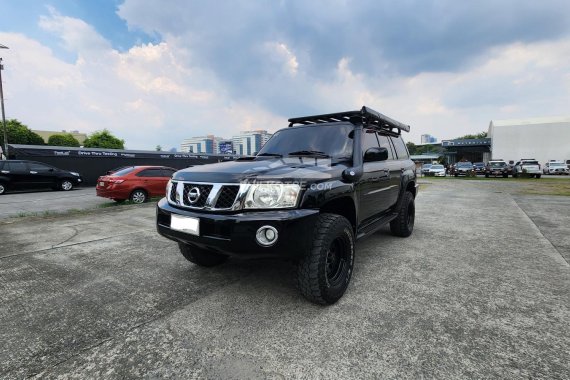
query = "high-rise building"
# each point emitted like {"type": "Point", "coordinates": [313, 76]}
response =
{"type": "Point", "coordinates": [428, 139]}
{"type": "Point", "coordinates": [202, 144]}
{"type": "Point", "coordinates": [248, 143]}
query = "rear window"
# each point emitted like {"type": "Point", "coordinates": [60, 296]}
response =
{"type": "Point", "coordinates": [15, 166]}
{"type": "Point", "coordinates": [123, 172]}
{"type": "Point", "coordinates": [401, 150]}
{"type": "Point", "coordinates": [529, 163]}
{"type": "Point", "coordinates": [557, 164]}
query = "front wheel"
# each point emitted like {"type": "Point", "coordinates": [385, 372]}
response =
{"type": "Point", "coordinates": [66, 185]}
{"type": "Point", "coordinates": [403, 225]}
{"type": "Point", "coordinates": [2, 188]}
{"type": "Point", "coordinates": [200, 256]}
{"type": "Point", "coordinates": [324, 272]}
{"type": "Point", "coordinates": [138, 196]}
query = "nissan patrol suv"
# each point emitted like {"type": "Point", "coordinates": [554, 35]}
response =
{"type": "Point", "coordinates": [311, 191]}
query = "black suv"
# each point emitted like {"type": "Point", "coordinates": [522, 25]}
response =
{"type": "Point", "coordinates": [310, 192]}
{"type": "Point", "coordinates": [20, 175]}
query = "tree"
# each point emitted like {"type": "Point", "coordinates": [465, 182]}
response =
{"type": "Point", "coordinates": [158, 148]}
{"type": "Point", "coordinates": [64, 139]}
{"type": "Point", "coordinates": [412, 148]}
{"type": "Point", "coordinates": [482, 135]}
{"type": "Point", "coordinates": [104, 139]}
{"type": "Point", "coordinates": [19, 133]}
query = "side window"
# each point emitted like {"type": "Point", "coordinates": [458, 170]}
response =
{"type": "Point", "coordinates": [15, 166]}
{"type": "Point", "coordinates": [385, 143]}
{"type": "Point", "coordinates": [369, 140]}
{"type": "Point", "coordinates": [1, 165]}
{"type": "Point", "coordinates": [167, 172]}
{"type": "Point", "coordinates": [401, 150]}
{"type": "Point", "coordinates": [150, 173]}
{"type": "Point", "coordinates": [34, 166]}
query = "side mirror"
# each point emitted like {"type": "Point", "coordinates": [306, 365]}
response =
{"type": "Point", "coordinates": [376, 154]}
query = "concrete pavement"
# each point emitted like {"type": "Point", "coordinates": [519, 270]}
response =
{"type": "Point", "coordinates": [101, 295]}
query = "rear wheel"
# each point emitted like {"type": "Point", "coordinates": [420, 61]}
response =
{"type": "Point", "coordinates": [201, 256]}
{"type": "Point", "coordinates": [538, 175]}
{"type": "Point", "coordinates": [486, 175]}
{"type": "Point", "coordinates": [138, 196]}
{"type": "Point", "coordinates": [324, 272]}
{"type": "Point", "coordinates": [66, 185]}
{"type": "Point", "coordinates": [403, 225]}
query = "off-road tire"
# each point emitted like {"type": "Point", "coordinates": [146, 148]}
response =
{"type": "Point", "coordinates": [403, 225]}
{"type": "Point", "coordinates": [324, 272]}
{"type": "Point", "coordinates": [3, 188]}
{"type": "Point", "coordinates": [138, 196]}
{"type": "Point", "coordinates": [201, 257]}
{"type": "Point", "coordinates": [65, 185]}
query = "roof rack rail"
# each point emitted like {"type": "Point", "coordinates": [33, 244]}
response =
{"type": "Point", "coordinates": [365, 116]}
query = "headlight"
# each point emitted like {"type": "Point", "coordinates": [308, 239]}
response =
{"type": "Point", "coordinates": [272, 195]}
{"type": "Point", "coordinates": [74, 173]}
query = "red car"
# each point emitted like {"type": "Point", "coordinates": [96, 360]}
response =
{"type": "Point", "coordinates": [136, 183]}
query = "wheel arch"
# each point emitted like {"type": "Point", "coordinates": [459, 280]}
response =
{"type": "Point", "coordinates": [343, 206]}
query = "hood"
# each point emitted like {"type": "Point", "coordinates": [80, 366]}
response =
{"type": "Point", "coordinates": [271, 169]}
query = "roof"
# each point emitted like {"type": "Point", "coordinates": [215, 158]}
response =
{"type": "Point", "coordinates": [538, 120]}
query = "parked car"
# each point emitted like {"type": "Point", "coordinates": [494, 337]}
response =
{"type": "Point", "coordinates": [136, 183]}
{"type": "Point", "coordinates": [555, 167]}
{"type": "Point", "coordinates": [463, 168]}
{"type": "Point", "coordinates": [425, 168]}
{"type": "Point", "coordinates": [511, 167]}
{"type": "Point", "coordinates": [527, 166]}
{"type": "Point", "coordinates": [437, 170]}
{"type": "Point", "coordinates": [21, 175]}
{"type": "Point", "coordinates": [479, 167]}
{"type": "Point", "coordinates": [497, 168]}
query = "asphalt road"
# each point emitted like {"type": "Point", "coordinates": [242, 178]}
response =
{"type": "Point", "coordinates": [101, 295]}
{"type": "Point", "coordinates": [24, 203]}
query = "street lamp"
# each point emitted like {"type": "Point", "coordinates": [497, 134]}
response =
{"type": "Point", "coordinates": [2, 102]}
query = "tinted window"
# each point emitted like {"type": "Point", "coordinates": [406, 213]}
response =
{"type": "Point", "coordinates": [150, 173]}
{"type": "Point", "coordinates": [385, 143]}
{"type": "Point", "coordinates": [401, 150]}
{"type": "Point", "coordinates": [38, 167]}
{"type": "Point", "coordinates": [168, 172]}
{"type": "Point", "coordinates": [369, 140]}
{"type": "Point", "coordinates": [15, 166]}
{"type": "Point", "coordinates": [334, 140]}
{"type": "Point", "coordinates": [1, 165]}
{"type": "Point", "coordinates": [123, 172]}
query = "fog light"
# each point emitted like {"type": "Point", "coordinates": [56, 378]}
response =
{"type": "Point", "coordinates": [266, 236]}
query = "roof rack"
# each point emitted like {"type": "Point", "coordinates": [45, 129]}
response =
{"type": "Point", "coordinates": [367, 116]}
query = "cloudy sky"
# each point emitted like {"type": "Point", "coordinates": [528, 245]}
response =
{"type": "Point", "coordinates": [158, 71]}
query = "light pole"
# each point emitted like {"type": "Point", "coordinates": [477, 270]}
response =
{"type": "Point", "coordinates": [2, 102]}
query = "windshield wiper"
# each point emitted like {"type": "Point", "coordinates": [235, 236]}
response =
{"type": "Point", "coordinates": [308, 153]}
{"type": "Point", "coordinates": [270, 154]}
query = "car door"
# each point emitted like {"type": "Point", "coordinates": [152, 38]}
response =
{"type": "Point", "coordinates": [153, 181]}
{"type": "Point", "coordinates": [374, 183]}
{"type": "Point", "coordinates": [395, 167]}
{"type": "Point", "coordinates": [41, 175]}
{"type": "Point", "coordinates": [17, 174]}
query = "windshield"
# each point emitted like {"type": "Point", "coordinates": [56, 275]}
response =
{"type": "Point", "coordinates": [465, 165]}
{"type": "Point", "coordinates": [497, 164]}
{"type": "Point", "coordinates": [529, 163]}
{"type": "Point", "coordinates": [437, 167]}
{"type": "Point", "coordinates": [426, 166]}
{"type": "Point", "coordinates": [333, 140]}
{"type": "Point", "coordinates": [553, 164]}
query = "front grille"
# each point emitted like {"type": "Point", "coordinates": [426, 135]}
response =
{"type": "Point", "coordinates": [204, 192]}
{"type": "Point", "coordinates": [172, 195]}
{"type": "Point", "coordinates": [227, 196]}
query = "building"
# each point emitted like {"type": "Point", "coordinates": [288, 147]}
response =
{"type": "Point", "coordinates": [428, 139]}
{"type": "Point", "coordinates": [248, 143]}
{"type": "Point", "coordinates": [474, 150]}
{"type": "Point", "coordinates": [45, 135]}
{"type": "Point", "coordinates": [543, 139]}
{"type": "Point", "coordinates": [202, 144]}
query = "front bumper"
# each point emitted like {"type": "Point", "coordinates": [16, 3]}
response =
{"type": "Point", "coordinates": [234, 234]}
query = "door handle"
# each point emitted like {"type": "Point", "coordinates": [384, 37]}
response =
{"type": "Point", "coordinates": [5, 172]}
{"type": "Point", "coordinates": [32, 172]}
